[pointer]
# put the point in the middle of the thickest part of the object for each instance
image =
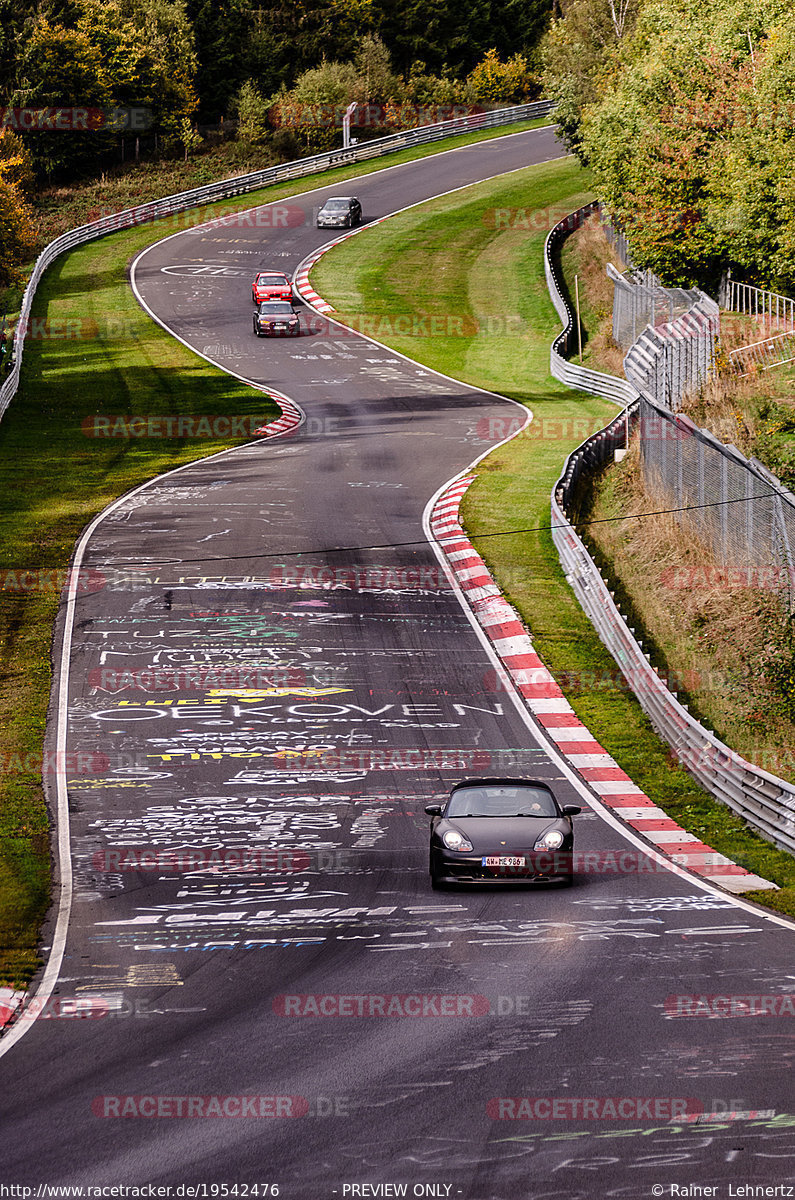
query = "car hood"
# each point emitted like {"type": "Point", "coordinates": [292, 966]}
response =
{"type": "Point", "coordinates": [487, 833]}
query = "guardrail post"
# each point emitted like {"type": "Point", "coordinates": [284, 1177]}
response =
{"type": "Point", "coordinates": [724, 507]}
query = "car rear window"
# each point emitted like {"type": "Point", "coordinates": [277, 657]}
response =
{"type": "Point", "coordinates": [501, 800]}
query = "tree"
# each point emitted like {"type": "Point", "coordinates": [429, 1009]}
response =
{"type": "Point", "coordinates": [168, 65]}
{"type": "Point", "coordinates": [252, 127]}
{"type": "Point", "coordinates": [60, 68]}
{"type": "Point", "coordinates": [135, 53]}
{"type": "Point", "coordinates": [690, 137]}
{"type": "Point", "coordinates": [222, 31]}
{"type": "Point", "coordinates": [16, 228]}
{"type": "Point", "coordinates": [189, 136]}
{"type": "Point", "coordinates": [576, 56]}
{"type": "Point", "coordinates": [376, 81]}
{"type": "Point", "coordinates": [493, 79]}
{"type": "Point", "coordinates": [285, 38]}
{"type": "Point", "coordinates": [16, 162]}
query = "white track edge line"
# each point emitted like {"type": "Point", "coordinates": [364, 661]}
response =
{"type": "Point", "coordinates": [64, 885]}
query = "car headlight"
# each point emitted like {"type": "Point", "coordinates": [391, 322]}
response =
{"type": "Point", "coordinates": [454, 840]}
{"type": "Point", "coordinates": [551, 840]}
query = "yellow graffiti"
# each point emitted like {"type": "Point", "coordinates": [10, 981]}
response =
{"type": "Point", "coordinates": [314, 753]}
{"type": "Point", "coordinates": [262, 693]}
{"type": "Point", "coordinates": [107, 781]}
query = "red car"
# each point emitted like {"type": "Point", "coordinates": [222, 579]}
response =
{"type": "Point", "coordinates": [271, 285]}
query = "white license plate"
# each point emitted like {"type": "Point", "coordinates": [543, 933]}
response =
{"type": "Point", "coordinates": [493, 860]}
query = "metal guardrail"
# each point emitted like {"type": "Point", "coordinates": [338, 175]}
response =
{"type": "Point", "coordinates": [774, 351]}
{"type": "Point", "coordinates": [775, 310]}
{"type": "Point", "coordinates": [766, 802]}
{"type": "Point", "coordinates": [582, 379]}
{"type": "Point", "coordinates": [225, 188]}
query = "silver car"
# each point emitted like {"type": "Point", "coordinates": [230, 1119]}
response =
{"type": "Point", "coordinates": [339, 212]}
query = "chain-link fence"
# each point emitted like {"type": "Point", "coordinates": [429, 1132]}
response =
{"type": "Point", "coordinates": [640, 300]}
{"type": "Point", "coordinates": [734, 504]}
{"type": "Point", "coordinates": [669, 334]}
{"type": "Point", "coordinates": [766, 802]}
{"type": "Point", "coordinates": [616, 237]}
{"type": "Point", "coordinates": [669, 360]}
{"type": "Point", "coordinates": [693, 467]}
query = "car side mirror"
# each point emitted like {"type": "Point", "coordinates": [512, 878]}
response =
{"type": "Point", "coordinates": [434, 810]}
{"type": "Point", "coordinates": [571, 810]}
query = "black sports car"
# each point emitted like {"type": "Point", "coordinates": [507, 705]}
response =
{"type": "Point", "coordinates": [276, 318]}
{"type": "Point", "coordinates": [501, 830]}
{"type": "Point", "coordinates": [340, 211]}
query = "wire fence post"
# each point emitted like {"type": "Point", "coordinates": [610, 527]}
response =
{"type": "Point", "coordinates": [724, 507]}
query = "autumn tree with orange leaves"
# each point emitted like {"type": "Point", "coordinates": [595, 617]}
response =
{"type": "Point", "coordinates": [16, 229]}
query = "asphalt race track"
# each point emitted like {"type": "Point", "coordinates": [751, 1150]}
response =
{"type": "Point", "coordinates": [270, 675]}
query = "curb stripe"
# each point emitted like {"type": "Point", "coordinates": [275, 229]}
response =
{"type": "Point", "coordinates": [546, 702]}
{"type": "Point", "coordinates": [290, 418]}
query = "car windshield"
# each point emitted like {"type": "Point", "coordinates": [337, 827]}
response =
{"type": "Point", "coordinates": [336, 205]}
{"type": "Point", "coordinates": [501, 800]}
{"type": "Point", "coordinates": [271, 281]}
{"type": "Point", "coordinates": [276, 308]}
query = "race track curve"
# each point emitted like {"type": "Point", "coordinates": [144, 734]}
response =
{"type": "Point", "coordinates": [278, 602]}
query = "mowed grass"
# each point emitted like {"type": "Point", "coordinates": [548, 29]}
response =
{"type": "Point", "coordinates": [110, 359]}
{"type": "Point", "coordinates": [53, 479]}
{"type": "Point", "coordinates": [446, 260]}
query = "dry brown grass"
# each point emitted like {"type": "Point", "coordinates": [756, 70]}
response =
{"type": "Point", "coordinates": [586, 253]}
{"type": "Point", "coordinates": [737, 329]}
{"type": "Point", "coordinates": [711, 632]}
{"type": "Point", "coordinates": [728, 406]}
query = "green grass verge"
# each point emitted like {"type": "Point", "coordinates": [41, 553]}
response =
{"type": "Point", "coordinates": [54, 479]}
{"type": "Point", "coordinates": [472, 272]}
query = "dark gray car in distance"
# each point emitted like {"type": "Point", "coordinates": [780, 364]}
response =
{"type": "Point", "coordinates": [340, 212]}
{"type": "Point", "coordinates": [500, 831]}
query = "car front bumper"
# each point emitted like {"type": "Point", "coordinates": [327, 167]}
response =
{"type": "Point", "coordinates": [541, 867]}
